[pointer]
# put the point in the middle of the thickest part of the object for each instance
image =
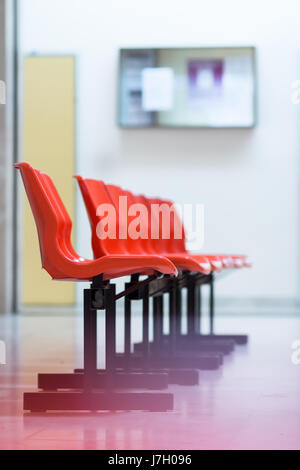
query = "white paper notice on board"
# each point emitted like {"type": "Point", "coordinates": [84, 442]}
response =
{"type": "Point", "coordinates": [157, 88]}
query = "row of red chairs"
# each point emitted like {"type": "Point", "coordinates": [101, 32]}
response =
{"type": "Point", "coordinates": [171, 358]}
{"type": "Point", "coordinates": [96, 192]}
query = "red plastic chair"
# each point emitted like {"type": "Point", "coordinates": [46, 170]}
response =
{"type": "Point", "coordinates": [157, 246]}
{"type": "Point", "coordinates": [161, 245]}
{"type": "Point", "coordinates": [54, 227]}
{"type": "Point", "coordinates": [218, 261]}
{"type": "Point", "coordinates": [61, 261]}
{"type": "Point", "coordinates": [172, 248]}
{"type": "Point", "coordinates": [96, 192]}
{"type": "Point", "coordinates": [93, 193]}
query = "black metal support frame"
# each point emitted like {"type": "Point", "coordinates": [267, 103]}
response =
{"type": "Point", "coordinates": [168, 359]}
{"type": "Point", "coordinates": [150, 361]}
{"type": "Point", "coordinates": [194, 283]}
{"type": "Point", "coordinates": [159, 356]}
{"type": "Point", "coordinates": [153, 367]}
{"type": "Point", "coordinates": [194, 340]}
{"type": "Point", "coordinates": [84, 386]}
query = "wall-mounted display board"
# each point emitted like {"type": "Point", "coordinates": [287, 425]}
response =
{"type": "Point", "coordinates": [187, 87]}
{"type": "Point", "coordinates": [49, 145]}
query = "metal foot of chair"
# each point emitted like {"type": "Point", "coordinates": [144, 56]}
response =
{"type": "Point", "coordinates": [120, 380]}
{"type": "Point", "coordinates": [238, 339]}
{"type": "Point", "coordinates": [177, 361]}
{"type": "Point", "coordinates": [183, 376]}
{"type": "Point", "coordinates": [97, 401]}
{"type": "Point", "coordinates": [174, 376]}
{"type": "Point", "coordinates": [196, 343]}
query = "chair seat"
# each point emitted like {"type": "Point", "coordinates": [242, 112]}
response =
{"type": "Point", "coordinates": [214, 260]}
{"type": "Point", "coordinates": [114, 266]}
{"type": "Point", "coordinates": [205, 263]}
{"type": "Point", "coordinates": [187, 262]}
{"type": "Point", "coordinates": [219, 262]}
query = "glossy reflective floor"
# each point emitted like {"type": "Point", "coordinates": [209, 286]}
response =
{"type": "Point", "coordinates": [252, 403]}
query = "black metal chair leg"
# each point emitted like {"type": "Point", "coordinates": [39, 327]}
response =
{"type": "Point", "coordinates": [211, 305]}
{"type": "Point", "coordinates": [172, 319]}
{"type": "Point", "coordinates": [191, 310]}
{"type": "Point", "coordinates": [178, 310]}
{"type": "Point", "coordinates": [110, 334]}
{"type": "Point", "coordinates": [157, 323]}
{"type": "Point", "coordinates": [199, 308]}
{"type": "Point", "coordinates": [90, 341]}
{"type": "Point", "coordinates": [127, 327]}
{"type": "Point", "coordinates": [145, 320]}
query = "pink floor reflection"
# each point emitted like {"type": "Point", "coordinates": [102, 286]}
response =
{"type": "Point", "coordinates": [253, 403]}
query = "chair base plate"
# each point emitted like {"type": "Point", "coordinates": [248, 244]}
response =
{"type": "Point", "coordinates": [174, 376]}
{"type": "Point", "coordinates": [120, 380]}
{"type": "Point", "coordinates": [194, 343]}
{"type": "Point", "coordinates": [176, 361]}
{"type": "Point", "coordinates": [97, 401]}
{"type": "Point", "coordinates": [183, 376]}
{"type": "Point", "coordinates": [238, 339]}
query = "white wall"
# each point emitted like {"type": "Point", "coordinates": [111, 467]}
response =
{"type": "Point", "coordinates": [247, 179]}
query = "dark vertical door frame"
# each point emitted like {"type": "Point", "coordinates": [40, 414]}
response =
{"type": "Point", "coordinates": [15, 279]}
{"type": "Point", "coordinates": [8, 153]}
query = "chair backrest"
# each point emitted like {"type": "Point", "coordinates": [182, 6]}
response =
{"type": "Point", "coordinates": [52, 221]}
{"type": "Point", "coordinates": [99, 202]}
{"type": "Point", "coordinates": [177, 234]}
{"type": "Point", "coordinates": [115, 194]}
{"type": "Point", "coordinates": [168, 226]}
{"type": "Point", "coordinates": [65, 222]}
{"type": "Point", "coordinates": [95, 193]}
{"type": "Point", "coordinates": [124, 202]}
